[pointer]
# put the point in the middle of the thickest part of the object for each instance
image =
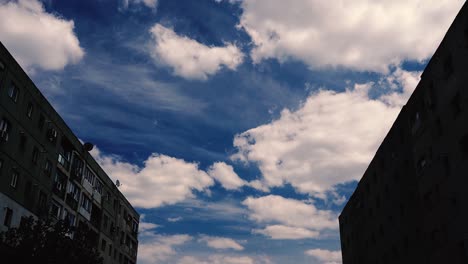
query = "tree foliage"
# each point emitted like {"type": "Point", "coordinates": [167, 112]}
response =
{"type": "Point", "coordinates": [37, 241]}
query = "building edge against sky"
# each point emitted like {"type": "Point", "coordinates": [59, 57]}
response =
{"type": "Point", "coordinates": [410, 205]}
{"type": "Point", "coordinates": [45, 171]}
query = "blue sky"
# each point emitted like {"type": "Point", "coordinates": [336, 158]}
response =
{"type": "Point", "coordinates": [238, 128]}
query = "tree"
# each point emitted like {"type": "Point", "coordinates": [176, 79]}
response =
{"type": "Point", "coordinates": [37, 241]}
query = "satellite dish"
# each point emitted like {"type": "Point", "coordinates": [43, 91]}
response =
{"type": "Point", "coordinates": [88, 146]}
{"type": "Point", "coordinates": [117, 183]}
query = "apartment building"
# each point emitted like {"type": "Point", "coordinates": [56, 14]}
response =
{"type": "Point", "coordinates": [45, 171]}
{"type": "Point", "coordinates": [410, 205]}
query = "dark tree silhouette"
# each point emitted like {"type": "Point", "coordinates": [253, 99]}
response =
{"type": "Point", "coordinates": [37, 241]}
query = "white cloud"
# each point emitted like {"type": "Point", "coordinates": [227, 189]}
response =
{"type": "Point", "coordinates": [189, 58]}
{"type": "Point", "coordinates": [161, 181]}
{"type": "Point", "coordinates": [158, 248]}
{"type": "Point", "coordinates": [145, 227]}
{"type": "Point", "coordinates": [221, 243]}
{"type": "Point", "coordinates": [361, 35]}
{"type": "Point", "coordinates": [221, 259]}
{"type": "Point", "coordinates": [286, 232]}
{"type": "Point", "coordinates": [149, 3]}
{"type": "Point", "coordinates": [37, 38]}
{"type": "Point", "coordinates": [330, 139]}
{"type": "Point", "coordinates": [325, 256]}
{"type": "Point", "coordinates": [225, 175]}
{"type": "Point", "coordinates": [400, 78]}
{"type": "Point", "coordinates": [174, 219]}
{"type": "Point", "coordinates": [289, 212]}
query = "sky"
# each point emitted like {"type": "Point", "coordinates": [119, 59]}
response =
{"type": "Point", "coordinates": [238, 128]}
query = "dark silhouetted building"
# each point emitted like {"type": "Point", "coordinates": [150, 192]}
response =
{"type": "Point", "coordinates": [411, 205]}
{"type": "Point", "coordinates": [46, 172]}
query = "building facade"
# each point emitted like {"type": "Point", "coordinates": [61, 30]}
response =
{"type": "Point", "coordinates": [411, 204]}
{"type": "Point", "coordinates": [46, 172]}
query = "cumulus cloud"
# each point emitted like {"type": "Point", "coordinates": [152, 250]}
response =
{"type": "Point", "coordinates": [159, 248]}
{"type": "Point", "coordinates": [223, 259]}
{"type": "Point", "coordinates": [225, 175]}
{"type": "Point", "coordinates": [325, 256]}
{"type": "Point", "coordinates": [37, 38]}
{"type": "Point", "coordinates": [189, 58]}
{"type": "Point", "coordinates": [286, 232]}
{"type": "Point", "coordinates": [330, 139]}
{"type": "Point", "coordinates": [400, 79]}
{"type": "Point", "coordinates": [288, 218]}
{"type": "Point", "coordinates": [161, 181]}
{"type": "Point", "coordinates": [221, 243]}
{"type": "Point", "coordinates": [362, 35]}
{"type": "Point", "coordinates": [290, 212]}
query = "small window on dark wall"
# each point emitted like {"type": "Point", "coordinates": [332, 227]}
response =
{"type": "Point", "coordinates": [30, 109]}
{"type": "Point", "coordinates": [13, 92]}
{"type": "Point", "coordinates": [14, 179]}
{"type": "Point", "coordinates": [35, 155]}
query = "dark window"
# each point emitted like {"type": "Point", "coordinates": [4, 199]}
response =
{"type": "Point", "coordinates": [4, 129]}
{"type": "Point", "coordinates": [42, 199]}
{"type": "Point", "coordinates": [48, 167]}
{"type": "Point", "coordinates": [1, 164]}
{"type": "Point", "coordinates": [8, 217]}
{"type": "Point", "coordinates": [55, 210]}
{"type": "Point", "coordinates": [29, 111]}
{"type": "Point", "coordinates": [14, 179]}
{"type": "Point", "coordinates": [103, 245]}
{"type": "Point", "coordinates": [13, 93]}
{"type": "Point", "coordinates": [41, 122]}
{"type": "Point", "coordinates": [110, 250]}
{"type": "Point", "coordinates": [35, 155]}
{"type": "Point", "coordinates": [52, 135]}
{"type": "Point", "coordinates": [456, 105]}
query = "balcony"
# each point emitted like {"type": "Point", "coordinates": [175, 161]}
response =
{"type": "Point", "coordinates": [59, 190]}
{"type": "Point", "coordinates": [71, 201]}
{"type": "Point", "coordinates": [64, 162]}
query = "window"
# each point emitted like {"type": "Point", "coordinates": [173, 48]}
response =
{"type": "Point", "coordinates": [105, 221]}
{"type": "Point", "coordinates": [35, 155]}
{"type": "Point", "coordinates": [41, 122]}
{"type": "Point", "coordinates": [1, 164]}
{"type": "Point", "coordinates": [48, 168]}
{"type": "Point", "coordinates": [110, 250]}
{"type": "Point", "coordinates": [89, 176]}
{"type": "Point", "coordinates": [8, 217]}
{"type": "Point", "coordinates": [456, 105]}
{"type": "Point", "coordinates": [98, 186]}
{"type": "Point", "coordinates": [55, 209]}
{"type": "Point", "coordinates": [73, 191]}
{"type": "Point", "coordinates": [59, 181]}
{"type": "Point", "coordinates": [29, 111]}
{"type": "Point", "coordinates": [4, 129]}
{"type": "Point", "coordinates": [42, 199]}
{"type": "Point", "coordinates": [103, 245]}
{"type": "Point", "coordinates": [52, 135]}
{"type": "Point", "coordinates": [13, 93]}
{"type": "Point", "coordinates": [86, 203]}
{"type": "Point", "coordinates": [14, 179]}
